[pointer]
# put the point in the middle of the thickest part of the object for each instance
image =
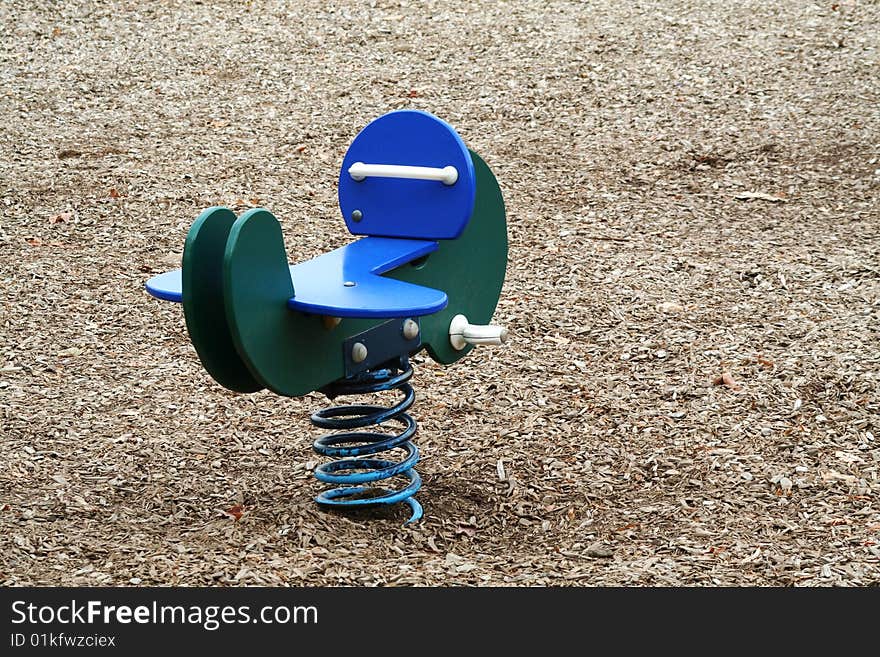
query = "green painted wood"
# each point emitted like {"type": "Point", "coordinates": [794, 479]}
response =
{"type": "Point", "coordinates": [289, 352]}
{"type": "Point", "coordinates": [203, 305]}
{"type": "Point", "coordinates": [469, 269]}
{"type": "Point", "coordinates": [293, 353]}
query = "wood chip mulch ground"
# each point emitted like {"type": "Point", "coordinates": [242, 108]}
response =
{"type": "Point", "coordinates": [691, 392]}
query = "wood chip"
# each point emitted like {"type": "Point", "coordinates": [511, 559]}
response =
{"type": "Point", "coordinates": [758, 196]}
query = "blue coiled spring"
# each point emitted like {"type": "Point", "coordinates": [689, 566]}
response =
{"type": "Point", "coordinates": [349, 446]}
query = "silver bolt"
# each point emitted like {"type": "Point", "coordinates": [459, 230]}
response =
{"type": "Point", "coordinates": [359, 352]}
{"type": "Point", "coordinates": [357, 215]}
{"type": "Point", "coordinates": [349, 284]}
{"type": "Point", "coordinates": [410, 329]}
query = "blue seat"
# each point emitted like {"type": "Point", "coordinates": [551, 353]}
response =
{"type": "Point", "coordinates": [323, 285]}
{"type": "Point", "coordinates": [348, 282]}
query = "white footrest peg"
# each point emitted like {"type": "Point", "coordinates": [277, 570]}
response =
{"type": "Point", "coordinates": [461, 333]}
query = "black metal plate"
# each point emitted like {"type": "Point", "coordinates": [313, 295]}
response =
{"type": "Point", "coordinates": [383, 342]}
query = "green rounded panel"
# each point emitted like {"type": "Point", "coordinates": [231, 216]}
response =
{"type": "Point", "coordinates": [289, 352]}
{"type": "Point", "coordinates": [203, 303]}
{"type": "Point", "coordinates": [470, 269]}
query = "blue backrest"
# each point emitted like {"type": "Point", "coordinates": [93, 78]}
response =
{"type": "Point", "coordinates": [379, 197]}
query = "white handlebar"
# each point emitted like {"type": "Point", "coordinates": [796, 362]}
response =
{"type": "Point", "coordinates": [447, 175]}
{"type": "Point", "coordinates": [462, 333]}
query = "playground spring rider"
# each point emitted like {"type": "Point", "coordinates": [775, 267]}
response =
{"type": "Point", "coordinates": [428, 273]}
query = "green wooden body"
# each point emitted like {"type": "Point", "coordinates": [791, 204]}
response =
{"type": "Point", "coordinates": [237, 283]}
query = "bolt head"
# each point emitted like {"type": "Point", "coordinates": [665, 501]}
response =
{"type": "Point", "coordinates": [359, 352]}
{"type": "Point", "coordinates": [410, 329]}
{"type": "Point", "coordinates": [357, 215]}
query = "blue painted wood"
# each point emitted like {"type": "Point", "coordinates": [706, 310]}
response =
{"type": "Point", "coordinates": [415, 209]}
{"type": "Point", "coordinates": [167, 286]}
{"type": "Point", "coordinates": [320, 284]}
{"type": "Point", "coordinates": [321, 288]}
